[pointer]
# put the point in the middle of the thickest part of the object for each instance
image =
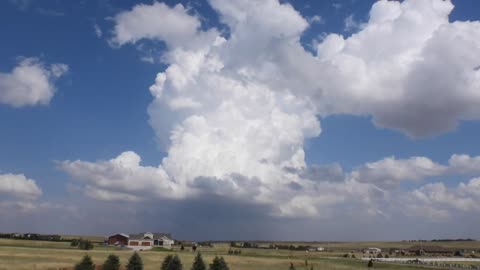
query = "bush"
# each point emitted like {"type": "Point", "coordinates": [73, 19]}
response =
{"type": "Point", "coordinates": [379, 255]}
{"type": "Point", "coordinates": [74, 243]}
{"type": "Point", "coordinates": [85, 264]}
{"type": "Point", "coordinates": [218, 264]}
{"type": "Point", "coordinates": [198, 263]}
{"type": "Point", "coordinates": [291, 267]}
{"type": "Point", "coordinates": [370, 264]}
{"type": "Point", "coordinates": [345, 255]}
{"type": "Point", "coordinates": [182, 248]}
{"type": "Point", "coordinates": [135, 262]}
{"type": "Point", "coordinates": [112, 263]}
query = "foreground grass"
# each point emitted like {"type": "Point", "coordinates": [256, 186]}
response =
{"type": "Point", "coordinates": [40, 255]}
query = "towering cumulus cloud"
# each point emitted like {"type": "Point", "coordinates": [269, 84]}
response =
{"type": "Point", "coordinates": [234, 111]}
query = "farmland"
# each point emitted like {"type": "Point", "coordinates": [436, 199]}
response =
{"type": "Point", "coordinates": [43, 255]}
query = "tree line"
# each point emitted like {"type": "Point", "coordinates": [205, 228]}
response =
{"type": "Point", "coordinates": [171, 262]}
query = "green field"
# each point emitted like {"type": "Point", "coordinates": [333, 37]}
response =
{"type": "Point", "coordinates": [42, 255]}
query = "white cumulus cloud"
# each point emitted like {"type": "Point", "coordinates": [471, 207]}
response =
{"type": "Point", "coordinates": [234, 112]}
{"type": "Point", "coordinates": [30, 83]}
{"type": "Point", "coordinates": [17, 185]}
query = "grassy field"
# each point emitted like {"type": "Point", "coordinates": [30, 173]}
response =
{"type": "Point", "coordinates": [41, 255]}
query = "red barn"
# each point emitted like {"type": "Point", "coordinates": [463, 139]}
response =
{"type": "Point", "coordinates": [118, 239]}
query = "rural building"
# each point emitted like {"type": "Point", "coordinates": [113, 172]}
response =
{"type": "Point", "coordinates": [421, 250]}
{"type": "Point", "coordinates": [142, 241]}
{"type": "Point", "coordinates": [314, 249]}
{"type": "Point", "coordinates": [119, 239]}
{"type": "Point", "coordinates": [372, 250]}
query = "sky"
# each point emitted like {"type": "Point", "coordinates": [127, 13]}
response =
{"type": "Point", "coordinates": [214, 120]}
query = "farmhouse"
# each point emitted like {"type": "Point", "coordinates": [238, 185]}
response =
{"type": "Point", "coordinates": [142, 241]}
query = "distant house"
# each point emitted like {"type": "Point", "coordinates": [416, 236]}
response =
{"type": "Point", "coordinates": [372, 250]}
{"type": "Point", "coordinates": [314, 249]}
{"type": "Point", "coordinates": [142, 241]}
{"type": "Point", "coordinates": [421, 250]}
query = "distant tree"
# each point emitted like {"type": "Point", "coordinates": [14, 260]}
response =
{"type": "Point", "coordinates": [379, 255]}
{"type": "Point", "coordinates": [353, 256]}
{"type": "Point", "coordinates": [74, 243]}
{"type": "Point", "coordinates": [386, 256]}
{"type": "Point", "coordinates": [345, 255]}
{"type": "Point", "coordinates": [182, 248]}
{"type": "Point", "coordinates": [112, 263]}
{"type": "Point", "coordinates": [218, 264]}
{"type": "Point", "coordinates": [194, 248]}
{"type": "Point", "coordinates": [135, 262]}
{"type": "Point", "coordinates": [233, 244]}
{"type": "Point", "coordinates": [370, 264]}
{"type": "Point", "coordinates": [85, 264]}
{"type": "Point", "coordinates": [166, 262]}
{"type": "Point", "coordinates": [85, 244]}
{"type": "Point", "coordinates": [198, 263]}
{"type": "Point", "coordinates": [292, 267]}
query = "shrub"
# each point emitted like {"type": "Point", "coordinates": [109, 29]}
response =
{"type": "Point", "coordinates": [112, 263]}
{"type": "Point", "coordinates": [74, 243]}
{"type": "Point", "coordinates": [370, 264]}
{"type": "Point", "coordinates": [182, 248]}
{"type": "Point", "coordinates": [85, 264]}
{"type": "Point", "coordinates": [345, 255]}
{"type": "Point", "coordinates": [292, 267]}
{"type": "Point", "coordinates": [379, 255]}
{"type": "Point", "coordinates": [198, 263]}
{"type": "Point", "coordinates": [135, 262]}
{"type": "Point", "coordinates": [218, 264]}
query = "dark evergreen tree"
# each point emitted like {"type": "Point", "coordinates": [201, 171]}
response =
{"type": "Point", "coordinates": [182, 248]}
{"type": "Point", "coordinates": [166, 262]}
{"type": "Point", "coordinates": [199, 264]}
{"type": "Point", "coordinates": [175, 264]}
{"type": "Point", "coordinates": [218, 264]}
{"type": "Point", "coordinates": [135, 262]}
{"type": "Point", "coordinates": [370, 264]}
{"type": "Point", "coordinates": [292, 267]}
{"type": "Point", "coordinates": [112, 263]}
{"type": "Point", "coordinates": [85, 264]}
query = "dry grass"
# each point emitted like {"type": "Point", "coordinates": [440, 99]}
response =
{"type": "Point", "coordinates": [40, 255]}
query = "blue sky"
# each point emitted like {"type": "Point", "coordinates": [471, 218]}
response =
{"type": "Point", "coordinates": [102, 107]}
